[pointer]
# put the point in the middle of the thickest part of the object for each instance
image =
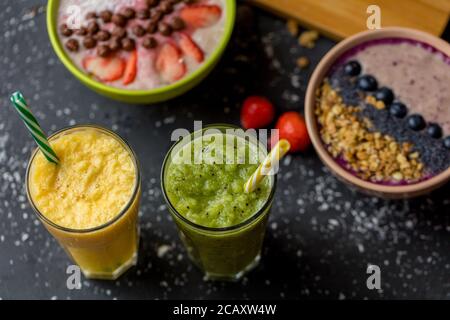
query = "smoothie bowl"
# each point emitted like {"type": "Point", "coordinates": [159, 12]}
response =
{"type": "Point", "coordinates": [140, 51]}
{"type": "Point", "coordinates": [378, 112]}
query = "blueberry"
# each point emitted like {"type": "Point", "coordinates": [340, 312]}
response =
{"type": "Point", "coordinates": [385, 94]}
{"type": "Point", "coordinates": [367, 83]}
{"type": "Point", "coordinates": [447, 142]}
{"type": "Point", "coordinates": [398, 109]}
{"type": "Point", "coordinates": [434, 130]}
{"type": "Point", "coordinates": [416, 122]}
{"type": "Point", "coordinates": [352, 68]}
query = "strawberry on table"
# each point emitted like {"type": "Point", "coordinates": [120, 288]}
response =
{"type": "Point", "coordinates": [189, 47]}
{"type": "Point", "coordinates": [169, 63]}
{"type": "Point", "coordinates": [257, 112]}
{"type": "Point", "coordinates": [105, 69]}
{"type": "Point", "coordinates": [201, 15]}
{"type": "Point", "coordinates": [292, 126]}
{"type": "Point", "coordinates": [130, 69]}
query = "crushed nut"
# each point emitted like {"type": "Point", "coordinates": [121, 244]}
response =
{"type": "Point", "coordinates": [308, 38]}
{"type": "Point", "coordinates": [414, 155]}
{"type": "Point", "coordinates": [370, 155]}
{"type": "Point", "coordinates": [397, 176]}
{"type": "Point", "coordinates": [376, 103]}
{"type": "Point", "coordinates": [302, 62]}
{"type": "Point", "coordinates": [292, 27]}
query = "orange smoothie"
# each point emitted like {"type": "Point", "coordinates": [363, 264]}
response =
{"type": "Point", "coordinates": [89, 201]}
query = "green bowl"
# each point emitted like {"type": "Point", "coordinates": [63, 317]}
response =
{"type": "Point", "coordinates": [142, 96]}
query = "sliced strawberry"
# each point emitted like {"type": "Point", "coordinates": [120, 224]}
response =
{"type": "Point", "coordinates": [201, 15]}
{"type": "Point", "coordinates": [169, 63]}
{"type": "Point", "coordinates": [190, 48]}
{"type": "Point", "coordinates": [130, 69]}
{"type": "Point", "coordinates": [105, 69]}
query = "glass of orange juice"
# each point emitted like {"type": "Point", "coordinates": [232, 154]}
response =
{"type": "Point", "coordinates": [90, 201]}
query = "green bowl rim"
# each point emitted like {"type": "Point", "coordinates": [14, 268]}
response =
{"type": "Point", "coordinates": [52, 7]}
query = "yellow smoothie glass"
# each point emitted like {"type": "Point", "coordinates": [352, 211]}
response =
{"type": "Point", "coordinates": [90, 201]}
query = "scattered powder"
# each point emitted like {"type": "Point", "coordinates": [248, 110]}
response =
{"type": "Point", "coordinates": [163, 250]}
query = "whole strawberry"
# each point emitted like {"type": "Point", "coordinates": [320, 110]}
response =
{"type": "Point", "coordinates": [292, 126]}
{"type": "Point", "coordinates": [257, 112]}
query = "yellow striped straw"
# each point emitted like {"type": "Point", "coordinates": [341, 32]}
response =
{"type": "Point", "coordinates": [277, 152]}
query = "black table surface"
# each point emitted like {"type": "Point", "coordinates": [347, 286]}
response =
{"type": "Point", "coordinates": [320, 238]}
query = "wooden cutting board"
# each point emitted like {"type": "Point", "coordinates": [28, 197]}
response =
{"type": "Point", "coordinates": [341, 18]}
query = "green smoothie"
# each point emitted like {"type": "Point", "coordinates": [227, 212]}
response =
{"type": "Point", "coordinates": [222, 226]}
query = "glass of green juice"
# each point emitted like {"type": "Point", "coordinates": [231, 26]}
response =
{"type": "Point", "coordinates": [221, 226]}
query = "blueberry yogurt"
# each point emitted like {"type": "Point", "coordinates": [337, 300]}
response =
{"type": "Point", "coordinates": [384, 111]}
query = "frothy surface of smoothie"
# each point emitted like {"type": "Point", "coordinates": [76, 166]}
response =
{"type": "Point", "coordinates": [91, 185]}
{"type": "Point", "coordinates": [212, 194]}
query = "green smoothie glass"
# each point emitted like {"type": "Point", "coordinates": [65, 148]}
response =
{"type": "Point", "coordinates": [221, 226]}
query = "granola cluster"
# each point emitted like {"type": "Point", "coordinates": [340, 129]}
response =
{"type": "Point", "coordinates": [306, 39]}
{"type": "Point", "coordinates": [371, 155]}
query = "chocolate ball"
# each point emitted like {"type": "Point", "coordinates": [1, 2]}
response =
{"type": "Point", "coordinates": [152, 3]}
{"type": "Point", "coordinates": [166, 7]}
{"type": "Point", "coordinates": [115, 44]}
{"type": "Point", "coordinates": [106, 16]}
{"type": "Point", "coordinates": [129, 13]}
{"type": "Point", "coordinates": [128, 44]}
{"type": "Point", "coordinates": [89, 42]}
{"type": "Point", "coordinates": [81, 32]}
{"type": "Point", "coordinates": [72, 45]}
{"type": "Point", "coordinates": [119, 20]}
{"type": "Point", "coordinates": [103, 35]}
{"type": "Point", "coordinates": [152, 27]}
{"type": "Point", "coordinates": [138, 31]}
{"type": "Point", "coordinates": [65, 30]}
{"type": "Point", "coordinates": [119, 32]}
{"type": "Point", "coordinates": [103, 50]}
{"type": "Point", "coordinates": [178, 24]}
{"type": "Point", "coordinates": [156, 16]}
{"type": "Point", "coordinates": [165, 29]}
{"type": "Point", "coordinates": [91, 15]}
{"type": "Point", "coordinates": [93, 27]}
{"type": "Point", "coordinates": [143, 14]}
{"type": "Point", "coordinates": [150, 42]}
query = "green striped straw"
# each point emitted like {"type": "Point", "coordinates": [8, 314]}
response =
{"type": "Point", "coordinates": [33, 126]}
